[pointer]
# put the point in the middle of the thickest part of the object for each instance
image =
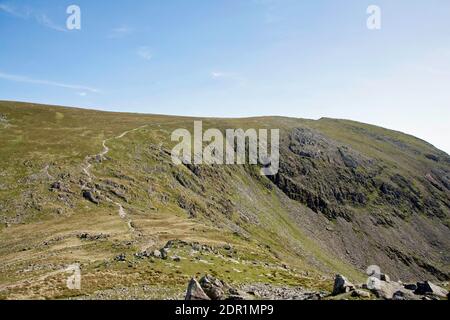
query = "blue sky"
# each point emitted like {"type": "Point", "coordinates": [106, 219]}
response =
{"type": "Point", "coordinates": [235, 58]}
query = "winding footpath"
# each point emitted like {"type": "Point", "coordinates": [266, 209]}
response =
{"type": "Point", "coordinates": [88, 165]}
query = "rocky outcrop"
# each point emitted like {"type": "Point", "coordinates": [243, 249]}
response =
{"type": "Point", "coordinates": [386, 289]}
{"type": "Point", "coordinates": [211, 288]}
{"type": "Point", "coordinates": [92, 237]}
{"type": "Point", "coordinates": [266, 291]}
{"type": "Point", "coordinates": [89, 195]}
{"type": "Point", "coordinates": [358, 293]}
{"type": "Point", "coordinates": [3, 119]}
{"type": "Point", "coordinates": [389, 290]}
{"type": "Point", "coordinates": [348, 185]}
{"type": "Point", "coordinates": [428, 288]}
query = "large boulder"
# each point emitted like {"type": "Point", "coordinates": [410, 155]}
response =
{"type": "Point", "coordinates": [358, 293]}
{"type": "Point", "coordinates": [214, 288]}
{"type": "Point", "coordinates": [195, 291]}
{"type": "Point", "coordinates": [405, 294]}
{"type": "Point", "coordinates": [342, 285]}
{"type": "Point", "coordinates": [390, 290]}
{"type": "Point", "coordinates": [157, 254]}
{"type": "Point", "coordinates": [89, 195]}
{"type": "Point", "coordinates": [427, 287]}
{"type": "Point", "coordinates": [211, 288]}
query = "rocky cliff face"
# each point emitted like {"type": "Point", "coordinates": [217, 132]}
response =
{"type": "Point", "coordinates": [382, 210]}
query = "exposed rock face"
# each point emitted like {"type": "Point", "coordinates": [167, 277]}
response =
{"type": "Point", "coordinates": [346, 184]}
{"type": "Point", "coordinates": [195, 291]}
{"type": "Point", "coordinates": [342, 285]}
{"type": "Point", "coordinates": [306, 153]}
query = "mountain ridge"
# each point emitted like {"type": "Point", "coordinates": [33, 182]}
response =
{"type": "Point", "coordinates": [261, 117]}
{"type": "Point", "coordinates": [348, 195]}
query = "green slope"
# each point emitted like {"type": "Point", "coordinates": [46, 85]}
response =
{"type": "Point", "coordinates": [336, 211]}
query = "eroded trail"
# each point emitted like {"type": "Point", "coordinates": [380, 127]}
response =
{"type": "Point", "coordinates": [88, 165]}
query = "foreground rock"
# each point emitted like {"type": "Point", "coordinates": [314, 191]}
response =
{"type": "Point", "coordinates": [342, 285]}
{"type": "Point", "coordinates": [424, 288]}
{"type": "Point", "coordinates": [215, 289]}
{"type": "Point", "coordinates": [271, 292]}
{"type": "Point", "coordinates": [88, 195]}
{"type": "Point", "coordinates": [195, 291]}
{"type": "Point", "coordinates": [211, 288]}
{"type": "Point", "coordinates": [389, 290]}
{"type": "Point", "coordinates": [361, 294]}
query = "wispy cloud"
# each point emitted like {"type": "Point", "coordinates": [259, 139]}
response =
{"type": "Point", "coordinates": [44, 20]}
{"type": "Point", "coordinates": [145, 53]}
{"type": "Point", "coordinates": [228, 76]}
{"type": "Point", "coordinates": [25, 79]}
{"type": "Point", "coordinates": [217, 75]}
{"type": "Point", "coordinates": [25, 12]}
{"type": "Point", "coordinates": [120, 32]}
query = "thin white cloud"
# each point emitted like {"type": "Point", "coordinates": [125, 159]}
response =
{"type": "Point", "coordinates": [25, 79]}
{"type": "Point", "coordinates": [145, 53]}
{"type": "Point", "coordinates": [229, 77]}
{"type": "Point", "coordinates": [44, 20]}
{"type": "Point", "coordinates": [25, 12]}
{"type": "Point", "coordinates": [217, 75]}
{"type": "Point", "coordinates": [120, 32]}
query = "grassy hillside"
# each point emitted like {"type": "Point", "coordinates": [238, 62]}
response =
{"type": "Point", "coordinates": [348, 195]}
